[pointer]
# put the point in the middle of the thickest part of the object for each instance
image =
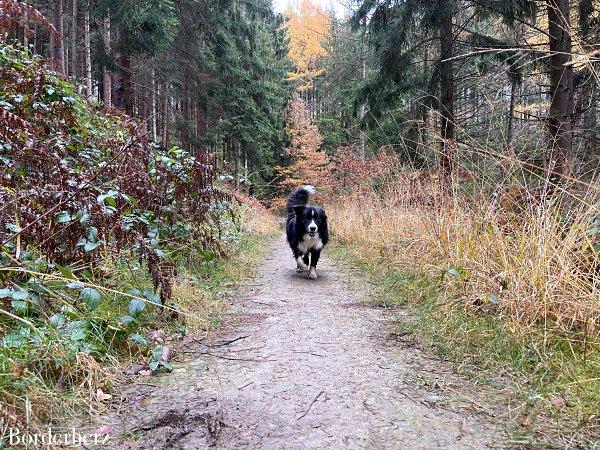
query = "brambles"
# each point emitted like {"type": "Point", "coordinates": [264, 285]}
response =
{"type": "Point", "coordinates": [76, 181]}
{"type": "Point", "coordinates": [18, 12]}
{"type": "Point", "coordinates": [79, 186]}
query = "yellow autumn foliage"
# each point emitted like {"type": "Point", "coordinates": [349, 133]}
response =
{"type": "Point", "coordinates": [308, 28]}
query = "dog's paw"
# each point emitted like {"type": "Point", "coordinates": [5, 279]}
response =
{"type": "Point", "coordinates": [313, 273]}
{"type": "Point", "coordinates": [301, 266]}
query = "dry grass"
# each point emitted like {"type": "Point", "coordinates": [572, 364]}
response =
{"type": "Point", "coordinates": [532, 266]}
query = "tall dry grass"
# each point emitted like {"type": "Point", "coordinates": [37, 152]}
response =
{"type": "Point", "coordinates": [533, 263]}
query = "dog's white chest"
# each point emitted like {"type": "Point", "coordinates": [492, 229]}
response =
{"type": "Point", "coordinates": [309, 243]}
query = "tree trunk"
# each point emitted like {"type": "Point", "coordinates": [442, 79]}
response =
{"type": "Point", "coordinates": [510, 118]}
{"type": "Point", "coordinates": [201, 124]}
{"type": "Point", "coordinates": [25, 35]}
{"type": "Point", "coordinates": [246, 171]}
{"type": "Point", "coordinates": [122, 85]}
{"type": "Point", "coordinates": [73, 71]}
{"type": "Point", "coordinates": [58, 48]}
{"type": "Point", "coordinates": [560, 117]}
{"type": "Point", "coordinates": [153, 102]}
{"type": "Point", "coordinates": [446, 161]}
{"type": "Point", "coordinates": [236, 149]}
{"type": "Point", "coordinates": [591, 122]}
{"type": "Point", "coordinates": [166, 118]}
{"type": "Point", "coordinates": [185, 113]}
{"type": "Point", "coordinates": [362, 108]}
{"type": "Point", "coordinates": [506, 163]}
{"type": "Point", "coordinates": [106, 77]}
{"type": "Point", "coordinates": [514, 85]}
{"type": "Point", "coordinates": [88, 55]}
{"type": "Point", "coordinates": [128, 92]}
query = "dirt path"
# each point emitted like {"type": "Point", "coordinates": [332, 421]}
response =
{"type": "Point", "coordinates": [312, 367]}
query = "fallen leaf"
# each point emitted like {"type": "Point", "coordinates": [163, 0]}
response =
{"type": "Point", "coordinates": [557, 401]}
{"type": "Point", "coordinates": [103, 430]}
{"type": "Point", "coordinates": [526, 422]}
{"type": "Point", "coordinates": [166, 354]}
{"type": "Point", "coordinates": [157, 336]}
{"type": "Point", "coordinates": [101, 396]}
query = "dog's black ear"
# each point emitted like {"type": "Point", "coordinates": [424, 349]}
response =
{"type": "Point", "coordinates": [298, 210]}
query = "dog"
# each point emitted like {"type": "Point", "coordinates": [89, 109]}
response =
{"type": "Point", "coordinates": [306, 230]}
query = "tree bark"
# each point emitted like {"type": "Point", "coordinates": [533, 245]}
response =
{"type": "Point", "coordinates": [153, 102]}
{"type": "Point", "coordinates": [362, 107]}
{"type": "Point", "coordinates": [166, 118]}
{"type": "Point", "coordinates": [128, 92]}
{"type": "Point", "coordinates": [185, 113]}
{"type": "Point", "coordinates": [25, 35]}
{"type": "Point", "coordinates": [88, 55]}
{"type": "Point", "coordinates": [201, 124]}
{"type": "Point", "coordinates": [122, 85]}
{"type": "Point", "coordinates": [58, 48]}
{"type": "Point", "coordinates": [106, 76]}
{"type": "Point", "coordinates": [591, 122]}
{"type": "Point", "coordinates": [447, 128]}
{"type": "Point", "coordinates": [514, 85]}
{"type": "Point", "coordinates": [511, 115]}
{"type": "Point", "coordinates": [236, 149]}
{"type": "Point", "coordinates": [73, 71]}
{"type": "Point", "coordinates": [560, 117]}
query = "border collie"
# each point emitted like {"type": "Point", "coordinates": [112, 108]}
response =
{"type": "Point", "coordinates": [306, 229]}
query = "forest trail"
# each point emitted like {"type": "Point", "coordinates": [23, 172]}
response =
{"type": "Point", "coordinates": [310, 365]}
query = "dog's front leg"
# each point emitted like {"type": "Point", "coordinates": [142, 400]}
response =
{"type": "Point", "coordinates": [306, 260]}
{"type": "Point", "coordinates": [314, 259]}
{"type": "Point", "coordinates": [302, 265]}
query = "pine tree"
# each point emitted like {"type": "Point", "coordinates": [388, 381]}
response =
{"type": "Point", "coordinates": [560, 120]}
{"type": "Point", "coordinates": [140, 27]}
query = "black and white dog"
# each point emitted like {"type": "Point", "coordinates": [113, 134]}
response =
{"type": "Point", "coordinates": [306, 229]}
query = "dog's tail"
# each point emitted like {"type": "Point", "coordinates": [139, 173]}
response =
{"type": "Point", "coordinates": [300, 197]}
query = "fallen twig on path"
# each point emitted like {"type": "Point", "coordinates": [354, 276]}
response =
{"type": "Point", "coordinates": [311, 404]}
{"type": "Point", "coordinates": [224, 343]}
{"type": "Point", "coordinates": [308, 353]}
{"type": "Point", "coordinates": [234, 359]}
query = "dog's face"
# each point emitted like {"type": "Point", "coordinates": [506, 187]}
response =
{"type": "Point", "coordinates": [311, 217]}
